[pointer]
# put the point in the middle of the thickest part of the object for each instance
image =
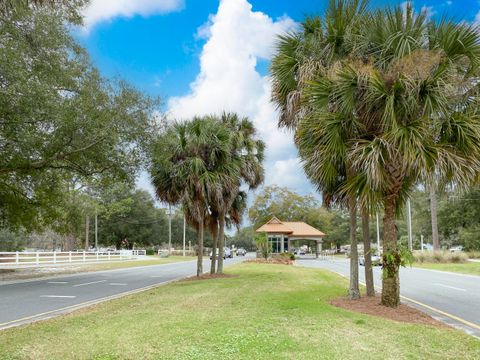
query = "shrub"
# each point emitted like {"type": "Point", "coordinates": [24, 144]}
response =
{"type": "Point", "coordinates": [261, 240]}
{"type": "Point", "coordinates": [439, 257]}
{"type": "Point", "coordinates": [474, 254]}
{"type": "Point", "coordinates": [150, 252]}
{"type": "Point", "coordinates": [288, 256]}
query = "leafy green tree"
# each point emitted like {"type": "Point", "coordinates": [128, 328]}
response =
{"type": "Point", "coordinates": [243, 238]}
{"type": "Point", "coordinates": [12, 241]}
{"type": "Point", "coordinates": [285, 204]}
{"type": "Point", "coordinates": [59, 119]}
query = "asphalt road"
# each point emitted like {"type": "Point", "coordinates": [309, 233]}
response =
{"type": "Point", "coordinates": [28, 301]}
{"type": "Point", "coordinates": [454, 297]}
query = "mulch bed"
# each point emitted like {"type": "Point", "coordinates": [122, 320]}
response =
{"type": "Point", "coordinates": [271, 261]}
{"type": "Point", "coordinates": [371, 306]}
{"type": "Point", "coordinates": [209, 276]}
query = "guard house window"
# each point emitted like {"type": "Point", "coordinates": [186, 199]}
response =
{"type": "Point", "coordinates": [275, 241]}
{"type": "Point", "coordinates": [285, 244]}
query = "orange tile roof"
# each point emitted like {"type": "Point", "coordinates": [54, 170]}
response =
{"type": "Point", "coordinates": [291, 228]}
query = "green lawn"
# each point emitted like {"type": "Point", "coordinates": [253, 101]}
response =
{"type": "Point", "coordinates": [472, 268]}
{"type": "Point", "coordinates": [267, 312]}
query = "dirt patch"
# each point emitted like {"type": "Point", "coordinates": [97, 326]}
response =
{"type": "Point", "coordinates": [371, 306]}
{"type": "Point", "coordinates": [209, 276]}
{"type": "Point", "coordinates": [271, 261]}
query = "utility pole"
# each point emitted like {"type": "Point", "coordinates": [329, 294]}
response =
{"type": "Point", "coordinates": [96, 230]}
{"type": "Point", "coordinates": [409, 224]}
{"type": "Point", "coordinates": [87, 230]}
{"type": "Point", "coordinates": [169, 229]}
{"type": "Point", "coordinates": [184, 229]}
{"type": "Point", "coordinates": [378, 236]}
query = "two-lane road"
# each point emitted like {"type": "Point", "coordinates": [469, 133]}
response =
{"type": "Point", "coordinates": [23, 302]}
{"type": "Point", "coordinates": [455, 298]}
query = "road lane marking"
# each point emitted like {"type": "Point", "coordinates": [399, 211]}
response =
{"type": "Point", "coordinates": [57, 282]}
{"type": "Point", "coordinates": [58, 296]}
{"type": "Point", "coordinates": [475, 326]}
{"type": "Point", "coordinates": [38, 317]}
{"type": "Point", "coordinates": [157, 276]}
{"type": "Point", "coordinates": [90, 283]}
{"type": "Point", "coordinates": [459, 319]}
{"type": "Point", "coordinates": [450, 287]}
{"type": "Point", "coordinates": [118, 284]}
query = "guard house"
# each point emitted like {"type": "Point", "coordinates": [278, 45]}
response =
{"type": "Point", "coordinates": [283, 234]}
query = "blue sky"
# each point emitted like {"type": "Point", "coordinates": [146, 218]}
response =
{"type": "Point", "coordinates": [205, 56]}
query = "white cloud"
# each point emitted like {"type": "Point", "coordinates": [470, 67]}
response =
{"type": "Point", "coordinates": [105, 10]}
{"type": "Point", "coordinates": [237, 38]}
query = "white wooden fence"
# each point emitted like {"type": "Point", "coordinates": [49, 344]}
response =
{"type": "Point", "coordinates": [20, 258]}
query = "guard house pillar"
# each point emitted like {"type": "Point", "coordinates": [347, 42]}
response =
{"type": "Point", "coordinates": [318, 249]}
{"type": "Point", "coordinates": [281, 244]}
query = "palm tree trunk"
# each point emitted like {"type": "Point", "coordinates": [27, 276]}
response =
{"type": "Point", "coordinates": [390, 280]}
{"type": "Point", "coordinates": [200, 248]}
{"type": "Point", "coordinates": [433, 211]}
{"type": "Point", "coordinates": [221, 242]}
{"type": "Point", "coordinates": [214, 251]}
{"type": "Point", "coordinates": [353, 291]}
{"type": "Point", "coordinates": [367, 253]}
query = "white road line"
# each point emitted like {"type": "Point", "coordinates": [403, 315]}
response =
{"type": "Point", "coordinates": [90, 283]}
{"type": "Point", "coordinates": [58, 296]}
{"type": "Point", "coordinates": [157, 276]}
{"type": "Point", "coordinates": [117, 284]}
{"type": "Point", "coordinates": [450, 287]}
{"type": "Point", "coordinates": [58, 282]}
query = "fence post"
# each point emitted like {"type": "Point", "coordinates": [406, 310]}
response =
{"type": "Point", "coordinates": [97, 254]}
{"type": "Point", "coordinates": [37, 258]}
{"type": "Point", "coordinates": [17, 260]}
{"type": "Point", "coordinates": [108, 252]}
{"type": "Point", "coordinates": [83, 255]}
{"type": "Point", "coordinates": [69, 256]}
{"type": "Point", "coordinates": [54, 257]}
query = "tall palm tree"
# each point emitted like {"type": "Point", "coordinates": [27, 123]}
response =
{"type": "Point", "coordinates": [300, 58]}
{"type": "Point", "coordinates": [247, 153]}
{"type": "Point", "coordinates": [188, 166]}
{"type": "Point", "coordinates": [411, 84]}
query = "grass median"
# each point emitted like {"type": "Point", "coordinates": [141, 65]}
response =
{"type": "Point", "coordinates": [264, 312]}
{"type": "Point", "coordinates": [469, 268]}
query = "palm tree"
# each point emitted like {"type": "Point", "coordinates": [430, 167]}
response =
{"type": "Point", "coordinates": [299, 59]}
{"type": "Point", "coordinates": [187, 164]}
{"type": "Point", "coordinates": [410, 90]}
{"type": "Point", "coordinates": [247, 154]}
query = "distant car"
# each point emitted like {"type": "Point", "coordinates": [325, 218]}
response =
{"type": "Point", "coordinates": [376, 261]}
{"type": "Point", "coordinates": [299, 252]}
{"type": "Point", "coordinates": [227, 253]}
{"type": "Point", "coordinates": [458, 248]}
{"type": "Point", "coordinates": [241, 252]}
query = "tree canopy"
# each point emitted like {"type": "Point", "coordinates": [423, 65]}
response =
{"type": "Point", "coordinates": [59, 118]}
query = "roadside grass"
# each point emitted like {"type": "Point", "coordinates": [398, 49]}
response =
{"type": "Point", "coordinates": [266, 312]}
{"type": "Point", "coordinates": [62, 269]}
{"type": "Point", "coordinates": [470, 268]}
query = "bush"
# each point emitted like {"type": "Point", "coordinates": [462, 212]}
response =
{"type": "Point", "coordinates": [150, 252]}
{"type": "Point", "coordinates": [439, 257]}
{"type": "Point", "coordinates": [288, 256]}
{"type": "Point", "coordinates": [474, 254]}
{"type": "Point", "coordinates": [263, 245]}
